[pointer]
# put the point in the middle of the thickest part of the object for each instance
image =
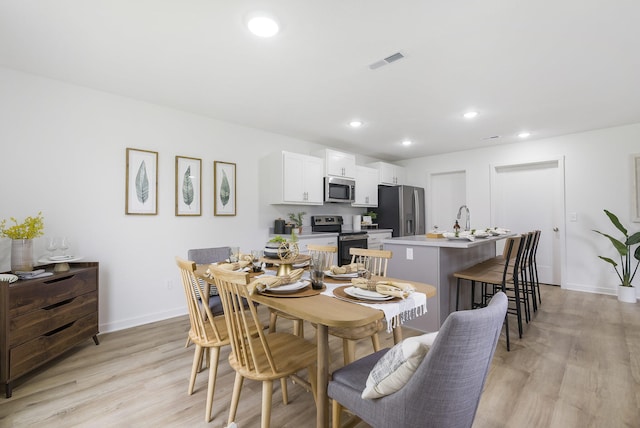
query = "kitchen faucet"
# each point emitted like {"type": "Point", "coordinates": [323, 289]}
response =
{"type": "Point", "coordinates": [467, 225]}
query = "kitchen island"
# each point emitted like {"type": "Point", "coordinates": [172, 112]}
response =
{"type": "Point", "coordinates": [434, 261]}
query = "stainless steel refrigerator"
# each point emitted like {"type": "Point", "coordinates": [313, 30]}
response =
{"type": "Point", "coordinates": [401, 208]}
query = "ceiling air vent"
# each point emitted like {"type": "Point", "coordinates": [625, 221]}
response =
{"type": "Point", "coordinates": [388, 60]}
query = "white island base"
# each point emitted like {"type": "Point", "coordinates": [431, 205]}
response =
{"type": "Point", "coordinates": [434, 261]}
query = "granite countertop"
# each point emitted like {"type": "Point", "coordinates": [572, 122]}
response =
{"type": "Point", "coordinates": [422, 240]}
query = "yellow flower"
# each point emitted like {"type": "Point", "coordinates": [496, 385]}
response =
{"type": "Point", "coordinates": [30, 228]}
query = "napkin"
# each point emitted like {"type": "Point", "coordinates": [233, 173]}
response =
{"type": "Point", "coordinates": [234, 266]}
{"type": "Point", "coordinates": [266, 282]}
{"type": "Point", "coordinates": [386, 288]}
{"type": "Point", "coordinates": [245, 257]}
{"type": "Point", "coordinates": [352, 268]}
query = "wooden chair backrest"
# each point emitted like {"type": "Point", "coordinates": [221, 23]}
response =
{"type": "Point", "coordinates": [375, 260]}
{"type": "Point", "coordinates": [329, 252]}
{"type": "Point", "coordinates": [243, 323]}
{"type": "Point", "coordinates": [199, 312]}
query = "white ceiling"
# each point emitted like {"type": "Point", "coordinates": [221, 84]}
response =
{"type": "Point", "coordinates": [552, 67]}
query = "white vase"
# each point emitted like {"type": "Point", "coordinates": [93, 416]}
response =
{"type": "Point", "coordinates": [626, 294]}
{"type": "Point", "coordinates": [21, 255]}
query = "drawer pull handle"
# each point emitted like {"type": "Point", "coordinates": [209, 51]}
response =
{"type": "Point", "coordinates": [57, 305]}
{"type": "Point", "coordinates": [59, 329]}
{"type": "Point", "coordinates": [63, 278]}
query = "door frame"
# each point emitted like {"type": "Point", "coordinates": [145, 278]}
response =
{"type": "Point", "coordinates": [560, 201]}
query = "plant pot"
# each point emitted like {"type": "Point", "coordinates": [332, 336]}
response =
{"type": "Point", "coordinates": [21, 255]}
{"type": "Point", "coordinates": [626, 294]}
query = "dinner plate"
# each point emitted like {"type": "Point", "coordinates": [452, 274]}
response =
{"type": "Point", "coordinates": [341, 275]}
{"type": "Point", "coordinates": [299, 265]}
{"type": "Point", "coordinates": [60, 258]}
{"type": "Point", "coordinates": [360, 293]}
{"type": "Point", "coordinates": [289, 288]}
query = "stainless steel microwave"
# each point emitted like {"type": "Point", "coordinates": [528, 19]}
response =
{"type": "Point", "coordinates": [339, 190]}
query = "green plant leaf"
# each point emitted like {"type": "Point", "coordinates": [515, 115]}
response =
{"type": "Point", "coordinates": [633, 239]}
{"type": "Point", "coordinates": [225, 190]}
{"type": "Point", "coordinates": [619, 246]}
{"type": "Point", "coordinates": [608, 260]}
{"type": "Point", "coordinates": [142, 183]}
{"type": "Point", "coordinates": [616, 222]}
{"type": "Point", "coordinates": [187, 188]}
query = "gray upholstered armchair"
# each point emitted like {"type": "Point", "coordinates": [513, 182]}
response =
{"type": "Point", "coordinates": [446, 387]}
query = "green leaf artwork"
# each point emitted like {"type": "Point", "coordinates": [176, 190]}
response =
{"type": "Point", "coordinates": [225, 191]}
{"type": "Point", "coordinates": [142, 183]}
{"type": "Point", "coordinates": [187, 188]}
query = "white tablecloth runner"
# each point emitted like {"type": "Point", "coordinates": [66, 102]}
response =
{"type": "Point", "coordinates": [395, 313]}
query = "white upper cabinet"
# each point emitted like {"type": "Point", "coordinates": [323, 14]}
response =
{"type": "Point", "coordinates": [389, 173]}
{"type": "Point", "coordinates": [339, 164]}
{"type": "Point", "coordinates": [295, 178]}
{"type": "Point", "coordinates": [366, 187]}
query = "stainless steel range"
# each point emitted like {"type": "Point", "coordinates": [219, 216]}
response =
{"type": "Point", "coordinates": [346, 240]}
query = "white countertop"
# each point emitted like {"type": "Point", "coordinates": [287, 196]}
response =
{"type": "Point", "coordinates": [422, 240]}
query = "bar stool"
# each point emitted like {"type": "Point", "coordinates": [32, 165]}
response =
{"type": "Point", "coordinates": [490, 273]}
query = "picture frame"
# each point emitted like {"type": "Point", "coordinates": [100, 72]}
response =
{"type": "Point", "coordinates": [635, 188]}
{"type": "Point", "coordinates": [188, 186]}
{"type": "Point", "coordinates": [141, 182]}
{"type": "Point", "coordinates": [224, 188]}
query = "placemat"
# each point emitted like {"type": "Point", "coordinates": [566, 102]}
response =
{"type": "Point", "coordinates": [305, 292]}
{"type": "Point", "coordinates": [339, 292]}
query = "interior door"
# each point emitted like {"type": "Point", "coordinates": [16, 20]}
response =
{"type": "Point", "coordinates": [530, 196]}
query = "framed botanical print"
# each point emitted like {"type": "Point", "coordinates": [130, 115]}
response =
{"type": "Point", "coordinates": [141, 182]}
{"type": "Point", "coordinates": [224, 188]}
{"type": "Point", "coordinates": [188, 186]}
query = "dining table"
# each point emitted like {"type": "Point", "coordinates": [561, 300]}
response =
{"type": "Point", "coordinates": [326, 310]}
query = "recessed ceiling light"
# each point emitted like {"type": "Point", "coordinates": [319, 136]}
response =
{"type": "Point", "coordinates": [470, 114]}
{"type": "Point", "coordinates": [524, 134]}
{"type": "Point", "coordinates": [407, 142]}
{"type": "Point", "coordinates": [356, 123]}
{"type": "Point", "coordinates": [263, 26]}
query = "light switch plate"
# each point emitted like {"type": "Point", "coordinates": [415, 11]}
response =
{"type": "Point", "coordinates": [573, 217]}
{"type": "Point", "coordinates": [409, 253]}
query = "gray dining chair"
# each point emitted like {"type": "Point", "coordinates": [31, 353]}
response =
{"type": "Point", "coordinates": [446, 387]}
{"type": "Point", "coordinates": [201, 256]}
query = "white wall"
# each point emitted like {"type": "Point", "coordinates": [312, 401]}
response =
{"type": "Point", "coordinates": [64, 152]}
{"type": "Point", "coordinates": [597, 176]}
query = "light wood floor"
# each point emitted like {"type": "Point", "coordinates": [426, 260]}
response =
{"type": "Point", "coordinates": [578, 365]}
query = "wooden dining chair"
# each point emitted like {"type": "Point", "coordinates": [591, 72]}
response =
{"type": "Point", "coordinates": [329, 253]}
{"type": "Point", "coordinates": [264, 358]}
{"type": "Point", "coordinates": [206, 330]}
{"type": "Point", "coordinates": [376, 262]}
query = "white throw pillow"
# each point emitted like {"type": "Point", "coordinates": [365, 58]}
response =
{"type": "Point", "coordinates": [396, 367]}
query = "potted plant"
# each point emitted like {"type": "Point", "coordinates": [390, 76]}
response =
{"type": "Point", "coordinates": [21, 235]}
{"type": "Point", "coordinates": [296, 219]}
{"type": "Point", "coordinates": [626, 291]}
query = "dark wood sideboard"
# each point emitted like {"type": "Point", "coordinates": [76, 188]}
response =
{"type": "Point", "coordinates": [44, 317]}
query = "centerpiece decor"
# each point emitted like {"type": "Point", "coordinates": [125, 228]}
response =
{"type": "Point", "coordinates": [21, 235]}
{"type": "Point", "coordinates": [626, 291]}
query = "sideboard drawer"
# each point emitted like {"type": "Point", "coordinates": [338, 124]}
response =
{"type": "Point", "coordinates": [29, 355]}
{"type": "Point", "coordinates": [42, 320]}
{"type": "Point", "coordinates": [49, 291]}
